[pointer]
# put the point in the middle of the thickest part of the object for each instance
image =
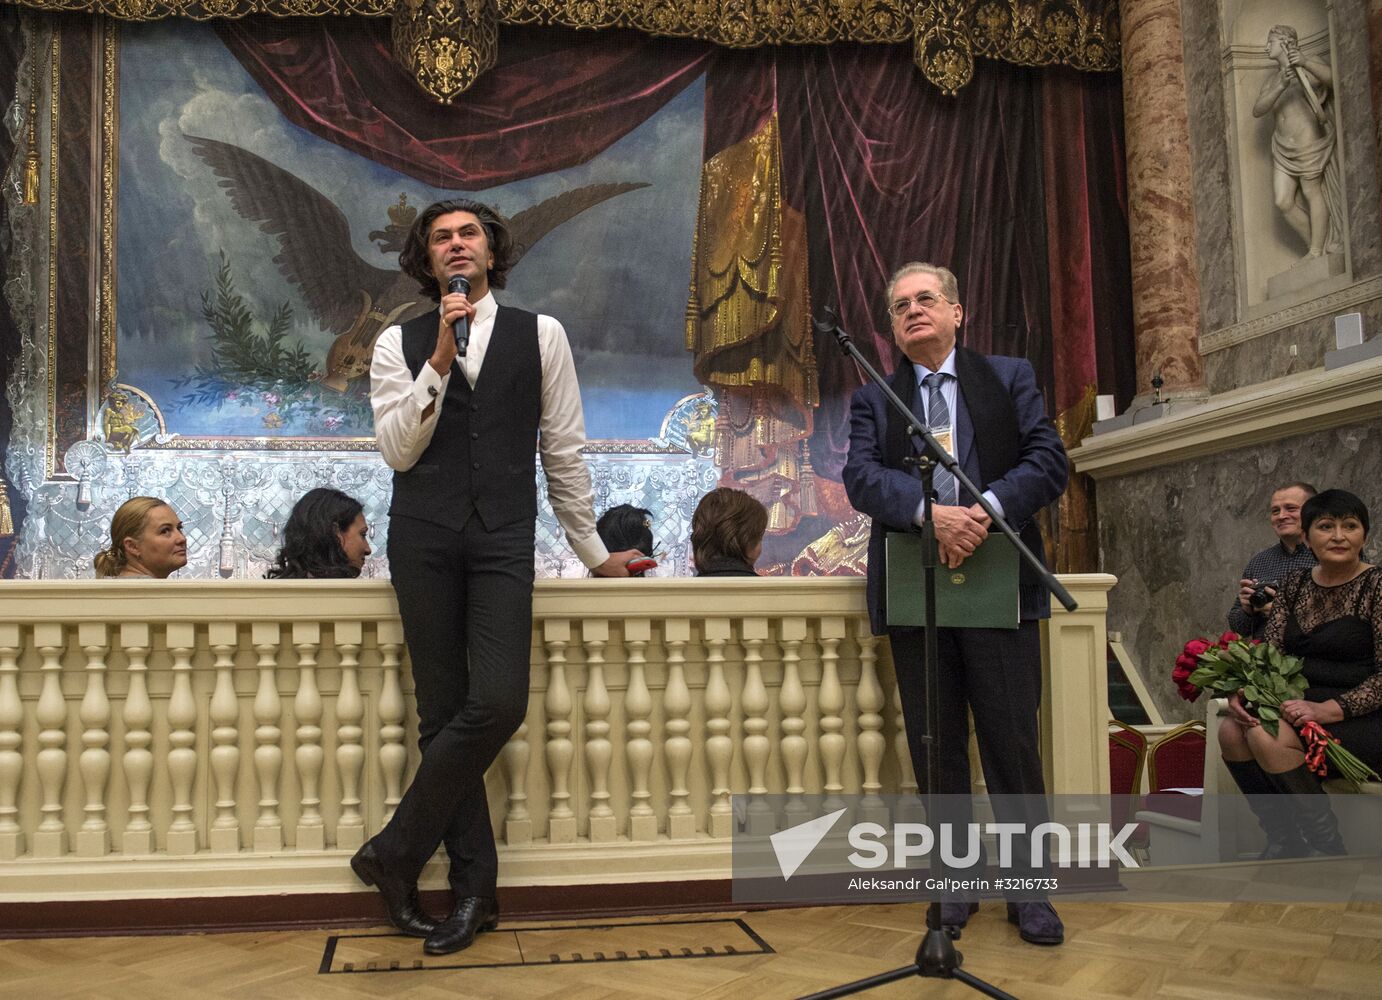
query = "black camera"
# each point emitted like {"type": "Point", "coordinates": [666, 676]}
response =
{"type": "Point", "coordinates": [1259, 598]}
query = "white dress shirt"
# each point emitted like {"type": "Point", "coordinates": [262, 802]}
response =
{"type": "Point", "coordinates": [399, 400]}
{"type": "Point", "coordinates": [950, 387]}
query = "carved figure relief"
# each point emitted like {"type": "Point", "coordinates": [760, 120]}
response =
{"type": "Point", "coordinates": [1305, 172]}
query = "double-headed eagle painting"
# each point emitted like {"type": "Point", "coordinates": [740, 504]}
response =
{"type": "Point", "coordinates": [353, 299]}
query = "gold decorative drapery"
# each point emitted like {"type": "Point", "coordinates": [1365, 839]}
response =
{"type": "Point", "coordinates": [446, 43]}
{"type": "Point", "coordinates": [748, 325]}
{"type": "Point", "coordinates": [1071, 542]}
{"type": "Point", "coordinates": [946, 35]}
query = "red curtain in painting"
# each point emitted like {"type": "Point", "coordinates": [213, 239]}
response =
{"type": "Point", "coordinates": [556, 99]}
{"type": "Point", "coordinates": [1016, 184]}
{"type": "Point", "coordinates": [887, 170]}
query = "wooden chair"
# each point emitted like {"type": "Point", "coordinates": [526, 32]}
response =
{"type": "Point", "coordinates": [1127, 756]}
{"type": "Point", "coordinates": [1177, 761]}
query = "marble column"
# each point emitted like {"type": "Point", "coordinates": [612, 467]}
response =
{"type": "Point", "coordinates": [1165, 283]}
{"type": "Point", "coordinates": [1375, 75]}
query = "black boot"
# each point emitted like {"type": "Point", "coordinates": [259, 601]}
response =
{"type": "Point", "coordinates": [1274, 814]}
{"type": "Point", "coordinates": [1310, 805]}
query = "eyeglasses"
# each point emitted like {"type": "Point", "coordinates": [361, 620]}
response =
{"type": "Point", "coordinates": [927, 301]}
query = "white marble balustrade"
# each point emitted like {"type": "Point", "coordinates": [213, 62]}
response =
{"type": "Point", "coordinates": [197, 738]}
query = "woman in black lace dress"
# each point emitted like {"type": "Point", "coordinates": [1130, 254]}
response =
{"type": "Point", "coordinates": [1331, 616]}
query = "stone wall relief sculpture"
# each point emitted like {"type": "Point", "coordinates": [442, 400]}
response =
{"type": "Point", "coordinates": [1290, 218]}
{"type": "Point", "coordinates": [1306, 185]}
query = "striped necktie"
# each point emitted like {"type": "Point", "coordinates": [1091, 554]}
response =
{"type": "Point", "coordinates": [938, 419]}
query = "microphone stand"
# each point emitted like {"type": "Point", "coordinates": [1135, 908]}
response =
{"type": "Point", "coordinates": [936, 956]}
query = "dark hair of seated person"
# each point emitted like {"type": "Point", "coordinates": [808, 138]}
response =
{"type": "Point", "coordinates": [727, 533]}
{"type": "Point", "coordinates": [1336, 504]}
{"type": "Point", "coordinates": [626, 527]}
{"type": "Point", "coordinates": [311, 538]}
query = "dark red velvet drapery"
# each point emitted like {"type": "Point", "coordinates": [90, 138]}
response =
{"type": "Point", "coordinates": [886, 170]}
{"type": "Point", "coordinates": [556, 99]}
{"type": "Point", "coordinates": [1087, 236]}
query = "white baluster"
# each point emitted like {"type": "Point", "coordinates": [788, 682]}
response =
{"type": "Point", "coordinates": [11, 738]}
{"type": "Point", "coordinates": [676, 711]}
{"type": "Point", "coordinates": [870, 740]}
{"type": "Point", "coordinates": [561, 821]}
{"type": "Point", "coordinates": [719, 748]}
{"type": "Point", "coordinates": [513, 759]}
{"type": "Point", "coordinates": [792, 703]}
{"type": "Point", "coordinates": [50, 839]}
{"type": "Point", "coordinates": [350, 751]}
{"type": "Point", "coordinates": [603, 825]}
{"type": "Point", "coordinates": [393, 755]}
{"type": "Point", "coordinates": [182, 738]}
{"type": "Point", "coordinates": [93, 839]}
{"type": "Point", "coordinates": [831, 699]}
{"type": "Point", "coordinates": [638, 749]}
{"type": "Point", "coordinates": [223, 638]}
{"type": "Point", "coordinates": [518, 826]}
{"type": "Point", "coordinates": [754, 700]}
{"type": "Point", "coordinates": [138, 715]}
{"type": "Point", "coordinates": [268, 754]}
{"type": "Point", "coordinates": [307, 711]}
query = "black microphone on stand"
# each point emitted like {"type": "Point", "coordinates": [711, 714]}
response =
{"type": "Point", "coordinates": [462, 326]}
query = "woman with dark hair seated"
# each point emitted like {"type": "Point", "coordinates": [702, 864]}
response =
{"type": "Point", "coordinates": [627, 527]}
{"type": "Point", "coordinates": [146, 539]}
{"type": "Point", "coordinates": [326, 537]}
{"type": "Point", "coordinates": [727, 533]}
{"type": "Point", "coordinates": [1331, 616]}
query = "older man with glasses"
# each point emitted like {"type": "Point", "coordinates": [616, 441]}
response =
{"type": "Point", "coordinates": [989, 413]}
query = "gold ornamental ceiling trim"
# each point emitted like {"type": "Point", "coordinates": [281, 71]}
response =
{"type": "Point", "coordinates": [946, 35]}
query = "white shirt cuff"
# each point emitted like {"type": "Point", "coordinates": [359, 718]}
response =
{"type": "Point", "coordinates": [428, 387]}
{"type": "Point", "coordinates": [590, 551]}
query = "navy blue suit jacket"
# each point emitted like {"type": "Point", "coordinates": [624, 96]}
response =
{"type": "Point", "coordinates": [1005, 443]}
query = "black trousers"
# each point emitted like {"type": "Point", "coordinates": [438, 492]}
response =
{"type": "Point", "coordinates": [996, 674]}
{"type": "Point", "coordinates": [466, 600]}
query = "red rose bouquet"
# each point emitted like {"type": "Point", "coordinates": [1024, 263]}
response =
{"type": "Point", "coordinates": [1188, 662]}
{"type": "Point", "coordinates": [1266, 676]}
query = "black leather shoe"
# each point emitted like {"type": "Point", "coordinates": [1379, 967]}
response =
{"type": "Point", "coordinates": [472, 915]}
{"type": "Point", "coordinates": [400, 895]}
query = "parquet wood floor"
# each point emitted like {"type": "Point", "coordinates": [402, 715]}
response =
{"type": "Point", "coordinates": [1187, 951]}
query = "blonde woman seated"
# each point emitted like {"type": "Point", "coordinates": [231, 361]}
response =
{"type": "Point", "coordinates": [146, 540]}
{"type": "Point", "coordinates": [727, 533]}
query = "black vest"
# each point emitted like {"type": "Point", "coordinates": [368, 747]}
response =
{"type": "Point", "coordinates": [481, 456]}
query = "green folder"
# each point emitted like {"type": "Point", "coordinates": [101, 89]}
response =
{"type": "Point", "coordinates": [982, 593]}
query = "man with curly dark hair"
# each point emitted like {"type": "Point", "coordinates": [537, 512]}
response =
{"type": "Point", "coordinates": [460, 432]}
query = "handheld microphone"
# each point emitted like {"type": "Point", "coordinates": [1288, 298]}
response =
{"type": "Point", "coordinates": [461, 328]}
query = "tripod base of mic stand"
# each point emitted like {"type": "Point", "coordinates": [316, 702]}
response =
{"type": "Point", "coordinates": [936, 959]}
